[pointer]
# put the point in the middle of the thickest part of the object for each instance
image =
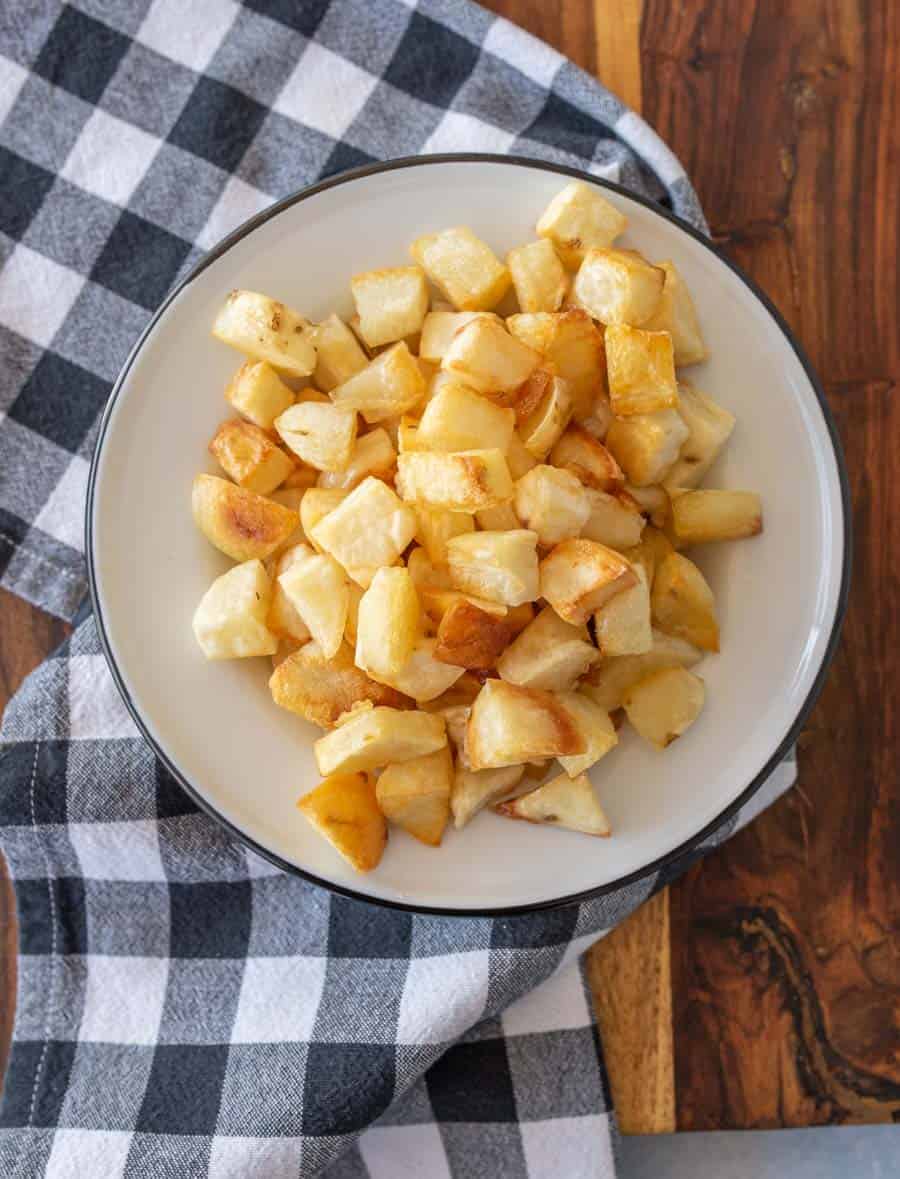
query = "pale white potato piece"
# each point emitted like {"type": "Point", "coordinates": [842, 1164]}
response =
{"type": "Point", "coordinates": [586, 457]}
{"type": "Point", "coordinates": [257, 391]}
{"type": "Point", "coordinates": [646, 446]}
{"type": "Point", "coordinates": [700, 517]}
{"type": "Point", "coordinates": [579, 219]}
{"type": "Point", "coordinates": [436, 526]}
{"type": "Point", "coordinates": [682, 603]}
{"type": "Point", "coordinates": [473, 790]}
{"type": "Point", "coordinates": [677, 315]}
{"type": "Point", "coordinates": [249, 456]}
{"type": "Point", "coordinates": [641, 370]}
{"type": "Point", "coordinates": [283, 618]}
{"type": "Point", "coordinates": [653, 502]}
{"type": "Point", "coordinates": [230, 621]}
{"type": "Point", "coordinates": [264, 329]}
{"type": "Point", "coordinates": [609, 679]}
{"type": "Point", "coordinates": [415, 795]}
{"type": "Point", "coordinates": [371, 527]}
{"type": "Point", "coordinates": [422, 677]}
{"type": "Point", "coordinates": [622, 625]}
{"type": "Point", "coordinates": [499, 566]}
{"type": "Point", "coordinates": [240, 523]}
{"type": "Point", "coordinates": [573, 344]}
{"type": "Point", "coordinates": [390, 384]}
{"type": "Point", "coordinates": [596, 728]}
{"type": "Point", "coordinates": [316, 586]}
{"type": "Point", "coordinates": [462, 267]}
{"type": "Point", "coordinates": [618, 286]}
{"type": "Point", "coordinates": [322, 435]}
{"type": "Point", "coordinates": [613, 520]}
{"type": "Point", "coordinates": [665, 704]}
{"type": "Point", "coordinates": [563, 802]}
{"type": "Point", "coordinates": [544, 426]}
{"type": "Point", "coordinates": [578, 576]}
{"type": "Point", "coordinates": [465, 481]}
{"type": "Point", "coordinates": [538, 276]}
{"type": "Point", "coordinates": [372, 454]}
{"type": "Point", "coordinates": [388, 623]}
{"type": "Point", "coordinates": [552, 503]}
{"type": "Point", "coordinates": [391, 303]}
{"type": "Point", "coordinates": [709, 427]}
{"type": "Point", "coordinates": [438, 330]}
{"type": "Point", "coordinates": [457, 418]}
{"type": "Point", "coordinates": [338, 353]}
{"type": "Point", "coordinates": [509, 725]}
{"type": "Point", "coordinates": [377, 737]}
{"type": "Point", "coordinates": [549, 653]}
{"type": "Point", "coordinates": [316, 503]}
{"type": "Point", "coordinates": [483, 355]}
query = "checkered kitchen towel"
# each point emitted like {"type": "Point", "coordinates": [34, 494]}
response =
{"type": "Point", "coordinates": [185, 1009]}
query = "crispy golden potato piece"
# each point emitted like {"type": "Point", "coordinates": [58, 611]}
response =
{"type": "Point", "coordinates": [463, 268]}
{"type": "Point", "coordinates": [579, 219]}
{"type": "Point", "coordinates": [373, 454]}
{"type": "Point", "coordinates": [614, 520]}
{"type": "Point", "coordinates": [257, 391]}
{"type": "Point", "coordinates": [338, 353]}
{"type": "Point", "coordinates": [699, 517]}
{"type": "Point", "coordinates": [654, 545]}
{"type": "Point", "coordinates": [509, 725]}
{"type": "Point", "coordinates": [470, 637]}
{"type": "Point", "coordinates": [388, 623]}
{"type": "Point", "coordinates": [502, 518]}
{"type": "Point", "coordinates": [499, 566]}
{"type": "Point", "coordinates": [518, 458]}
{"type": "Point", "coordinates": [683, 604]}
{"type": "Point", "coordinates": [283, 618]}
{"type": "Point", "coordinates": [473, 790]}
{"type": "Point", "coordinates": [264, 329]}
{"type": "Point", "coordinates": [391, 303]}
{"type": "Point", "coordinates": [563, 802]}
{"type": "Point", "coordinates": [484, 356]}
{"type": "Point", "coordinates": [544, 426]}
{"type": "Point", "coordinates": [415, 795]}
{"type": "Point", "coordinates": [322, 690]}
{"type": "Point", "coordinates": [641, 371]}
{"type": "Point", "coordinates": [665, 704]}
{"type": "Point", "coordinates": [572, 343]}
{"type": "Point", "coordinates": [249, 456]}
{"type": "Point", "coordinates": [376, 737]}
{"type": "Point", "coordinates": [588, 459]}
{"type": "Point", "coordinates": [677, 315]}
{"type": "Point", "coordinates": [538, 276]}
{"type": "Point", "coordinates": [549, 653]}
{"type": "Point", "coordinates": [371, 527]}
{"type": "Point", "coordinates": [439, 329]}
{"type": "Point", "coordinates": [622, 625]}
{"type": "Point", "coordinates": [552, 503]}
{"type": "Point", "coordinates": [465, 481]}
{"type": "Point", "coordinates": [390, 384]}
{"type": "Point", "coordinates": [437, 526]}
{"type": "Point", "coordinates": [709, 428]}
{"type": "Point", "coordinates": [618, 286]}
{"type": "Point", "coordinates": [300, 478]}
{"type": "Point", "coordinates": [459, 419]}
{"type": "Point", "coordinates": [609, 679]}
{"type": "Point", "coordinates": [321, 435]}
{"type": "Point", "coordinates": [596, 728]}
{"type": "Point", "coordinates": [646, 446]}
{"type": "Point", "coordinates": [230, 622]}
{"type": "Point", "coordinates": [316, 586]}
{"type": "Point", "coordinates": [345, 810]}
{"type": "Point", "coordinates": [578, 576]}
{"type": "Point", "coordinates": [240, 523]}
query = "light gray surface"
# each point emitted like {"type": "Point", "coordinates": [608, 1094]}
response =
{"type": "Point", "coordinates": [833, 1152]}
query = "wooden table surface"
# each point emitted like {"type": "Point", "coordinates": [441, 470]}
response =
{"type": "Point", "coordinates": [763, 989]}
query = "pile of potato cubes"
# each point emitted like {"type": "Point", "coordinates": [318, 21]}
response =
{"type": "Point", "coordinates": [459, 523]}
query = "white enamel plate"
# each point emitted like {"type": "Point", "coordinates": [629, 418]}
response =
{"type": "Point", "coordinates": [780, 595]}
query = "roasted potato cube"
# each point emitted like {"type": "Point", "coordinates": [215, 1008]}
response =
{"type": "Point", "coordinates": [614, 520]}
{"type": "Point", "coordinates": [499, 566]}
{"type": "Point", "coordinates": [373, 454]}
{"type": "Point", "coordinates": [518, 458]}
{"type": "Point", "coordinates": [653, 502]}
{"type": "Point", "coordinates": [391, 304]}
{"type": "Point", "coordinates": [538, 277]}
{"type": "Point", "coordinates": [257, 391]}
{"type": "Point", "coordinates": [351, 629]}
{"type": "Point", "coordinates": [437, 526]}
{"type": "Point", "coordinates": [509, 725]}
{"type": "Point", "coordinates": [390, 384]}
{"type": "Point", "coordinates": [525, 398]}
{"type": "Point", "coordinates": [573, 345]}
{"type": "Point", "coordinates": [578, 576]}
{"type": "Point", "coordinates": [322, 690]}
{"type": "Point", "coordinates": [388, 623]}
{"type": "Point", "coordinates": [415, 795]}
{"type": "Point", "coordinates": [653, 546]}
{"type": "Point", "coordinates": [249, 456]}
{"type": "Point", "coordinates": [618, 286]}
{"type": "Point", "coordinates": [473, 790]}
{"type": "Point", "coordinates": [283, 618]}
{"type": "Point", "coordinates": [677, 315]}
{"type": "Point", "coordinates": [423, 677]}
{"type": "Point", "coordinates": [609, 680]}
{"type": "Point", "coordinates": [466, 481]}
{"type": "Point", "coordinates": [499, 519]}
{"type": "Point", "coordinates": [622, 625]}
{"type": "Point", "coordinates": [376, 737]}
{"type": "Point", "coordinates": [317, 502]}
{"type": "Point", "coordinates": [563, 802]}
{"type": "Point", "coordinates": [665, 704]}
{"type": "Point", "coordinates": [457, 418]}
{"type": "Point", "coordinates": [424, 571]}
{"type": "Point", "coordinates": [641, 370]}
{"type": "Point", "coordinates": [463, 268]}
{"type": "Point", "coordinates": [344, 809]}
{"type": "Point", "coordinates": [579, 219]}
{"type": "Point", "coordinates": [544, 426]}
{"type": "Point", "coordinates": [300, 478]}
{"type": "Point", "coordinates": [230, 622]}
{"type": "Point", "coordinates": [702, 516]}
{"type": "Point", "coordinates": [370, 528]}
{"type": "Point", "coordinates": [408, 434]}
{"type": "Point", "coordinates": [240, 523]}
{"type": "Point", "coordinates": [549, 654]}
{"type": "Point", "coordinates": [316, 586]}
{"type": "Point", "coordinates": [470, 637]}
{"type": "Point", "coordinates": [596, 727]}
{"type": "Point", "coordinates": [439, 329]}
{"type": "Point", "coordinates": [338, 353]}
{"type": "Point", "coordinates": [646, 445]}
{"type": "Point", "coordinates": [484, 356]}
{"type": "Point", "coordinates": [321, 435]}
{"type": "Point", "coordinates": [682, 603]}
{"type": "Point", "coordinates": [709, 428]}
{"type": "Point", "coordinates": [436, 601]}
{"type": "Point", "coordinates": [552, 503]}
{"type": "Point", "coordinates": [264, 329]}
{"type": "Point", "coordinates": [588, 459]}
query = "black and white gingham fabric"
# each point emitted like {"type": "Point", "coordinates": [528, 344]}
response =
{"type": "Point", "coordinates": [185, 1009]}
